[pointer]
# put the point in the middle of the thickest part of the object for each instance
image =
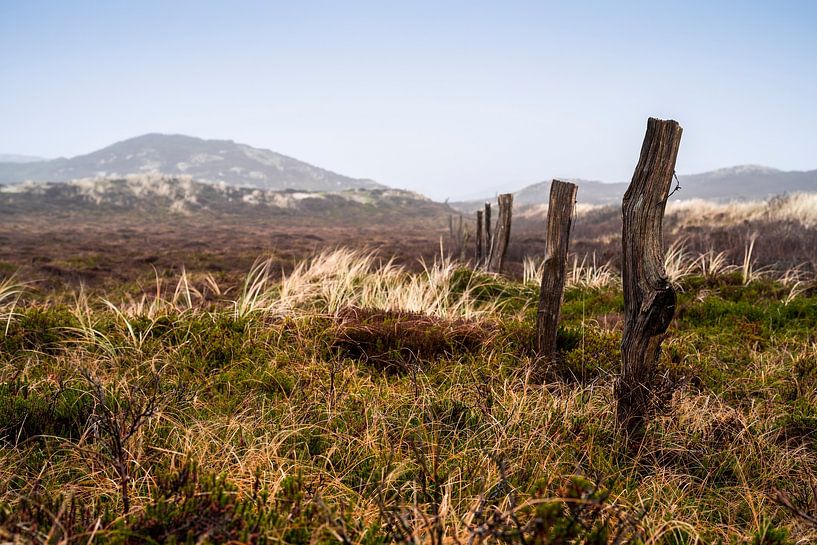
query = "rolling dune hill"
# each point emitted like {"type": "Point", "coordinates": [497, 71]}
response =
{"type": "Point", "coordinates": [211, 161]}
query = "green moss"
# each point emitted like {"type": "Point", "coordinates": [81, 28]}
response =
{"type": "Point", "coordinates": [587, 353]}
{"type": "Point", "coordinates": [509, 296]}
{"type": "Point", "coordinates": [208, 344]}
{"type": "Point", "coordinates": [581, 304]}
{"type": "Point", "coordinates": [770, 535]}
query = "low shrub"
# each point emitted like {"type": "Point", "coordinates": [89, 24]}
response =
{"type": "Point", "coordinates": [27, 413]}
{"type": "Point", "coordinates": [394, 341]}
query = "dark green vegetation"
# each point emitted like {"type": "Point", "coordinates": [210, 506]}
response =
{"type": "Point", "coordinates": [312, 422]}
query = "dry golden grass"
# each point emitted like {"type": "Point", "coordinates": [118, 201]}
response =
{"type": "Point", "coordinates": [800, 208]}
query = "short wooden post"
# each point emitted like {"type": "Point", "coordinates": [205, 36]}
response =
{"type": "Point", "coordinates": [502, 234]}
{"type": "Point", "coordinates": [649, 299]}
{"type": "Point", "coordinates": [462, 239]}
{"type": "Point", "coordinates": [478, 250]}
{"type": "Point", "coordinates": [560, 217]}
{"type": "Point", "coordinates": [488, 236]}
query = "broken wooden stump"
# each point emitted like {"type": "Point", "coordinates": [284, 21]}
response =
{"type": "Point", "coordinates": [649, 299]}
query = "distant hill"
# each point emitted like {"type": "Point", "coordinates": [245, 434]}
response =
{"type": "Point", "coordinates": [15, 158]}
{"type": "Point", "coordinates": [746, 182]}
{"type": "Point", "coordinates": [155, 196]}
{"type": "Point", "coordinates": [209, 161]}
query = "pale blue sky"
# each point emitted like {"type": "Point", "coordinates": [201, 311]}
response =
{"type": "Point", "coordinates": [448, 98]}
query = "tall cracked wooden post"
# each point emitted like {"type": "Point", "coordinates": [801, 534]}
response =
{"type": "Point", "coordinates": [502, 234]}
{"type": "Point", "coordinates": [649, 299]}
{"type": "Point", "coordinates": [560, 218]}
{"type": "Point", "coordinates": [478, 249]}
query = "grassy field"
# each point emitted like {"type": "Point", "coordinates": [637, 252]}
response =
{"type": "Point", "coordinates": [358, 402]}
{"type": "Point", "coordinates": [113, 250]}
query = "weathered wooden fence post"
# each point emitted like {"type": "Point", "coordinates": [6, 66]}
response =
{"type": "Point", "coordinates": [450, 234]}
{"type": "Point", "coordinates": [488, 236]}
{"type": "Point", "coordinates": [560, 217]}
{"type": "Point", "coordinates": [502, 234]}
{"type": "Point", "coordinates": [462, 239]}
{"type": "Point", "coordinates": [478, 250]}
{"type": "Point", "coordinates": [457, 238]}
{"type": "Point", "coordinates": [649, 299]}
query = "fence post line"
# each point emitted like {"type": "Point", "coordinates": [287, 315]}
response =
{"type": "Point", "coordinates": [649, 299]}
{"type": "Point", "coordinates": [502, 233]}
{"type": "Point", "coordinates": [560, 218]}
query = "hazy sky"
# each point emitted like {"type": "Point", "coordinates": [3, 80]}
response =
{"type": "Point", "coordinates": [448, 98]}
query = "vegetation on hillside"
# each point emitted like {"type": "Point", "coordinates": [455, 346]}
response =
{"type": "Point", "coordinates": [354, 401]}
